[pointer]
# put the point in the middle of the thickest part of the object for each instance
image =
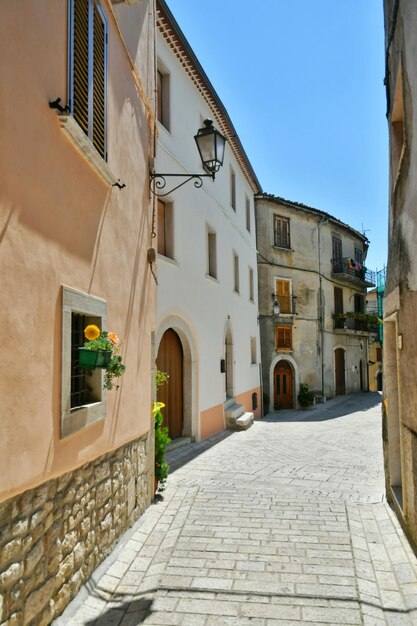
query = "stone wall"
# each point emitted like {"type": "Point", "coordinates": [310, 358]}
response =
{"type": "Point", "coordinates": [53, 537]}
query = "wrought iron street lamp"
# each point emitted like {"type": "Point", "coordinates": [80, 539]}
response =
{"type": "Point", "coordinates": [211, 147]}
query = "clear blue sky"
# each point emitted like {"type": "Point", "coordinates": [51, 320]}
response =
{"type": "Point", "coordinates": [302, 81]}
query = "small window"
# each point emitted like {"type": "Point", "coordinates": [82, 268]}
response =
{"type": "Point", "coordinates": [283, 294]}
{"type": "Point", "coordinates": [379, 354]}
{"type": "Point", "coordinates": [251, 286]}
{"type": "Point", "coordinates": [281, 232]}
{"type": "Point", "coordinates": [253, 350]}
{"type": "Point", "coordinates": [88, 70]}
{"type": "Point", "coordinates": [284, 338]}
{"type": "Point", "coordinates": [233, 189]}
{"type": "Point", "coordinates": [338, 300]}
{"type": "Point", "coordinates": [162, 96]}
{"type": "Point", "coordinates": [165, 229]}
{"type": "Point", "coordinates": [236, 273]}
{"type": "Point", "coordinates": [83, 399]}
{"type": "Point", "coordinates": [358, 255]}
{"type": "Point", "coordinates": [248, 225]}
{"type": "Point", "coordinates": [212, 254]}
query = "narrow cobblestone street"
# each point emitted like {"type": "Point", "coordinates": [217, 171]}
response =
{"type": "Point", "coordinates": [285, 523]}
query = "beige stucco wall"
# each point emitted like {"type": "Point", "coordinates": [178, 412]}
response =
{"type": "Point", "coordinates": [61, 224]}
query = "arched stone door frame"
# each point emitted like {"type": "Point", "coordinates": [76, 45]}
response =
{"type": "Point", "coordinates": [190, 380]}
{"type": "Point", "coordinates": [293, 363]}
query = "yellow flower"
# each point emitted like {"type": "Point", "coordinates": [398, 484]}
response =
{"type": "Point", "coordinates": [113, 337]}
{"type": "Point", "coordinates": [157, 406]}
{"type": "Point", "coordinates": [92, 332]}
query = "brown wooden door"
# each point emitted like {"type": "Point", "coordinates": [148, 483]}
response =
{"type": "Point", "coordinates": [170, 360]}
{"type": "Point", "coordinates": [339, 364]}
{"type": "Point", "coordinates": [283, 386]}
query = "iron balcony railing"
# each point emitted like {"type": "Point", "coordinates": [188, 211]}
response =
{"type": "Point", "coordinates": [351, 323]}
{"type": "Point", "coordinates": [286, 304]}
{"type": "Point", "coordinates": [353, 271]}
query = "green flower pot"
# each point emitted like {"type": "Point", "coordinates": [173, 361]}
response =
{"type": "Point", "coordinates": [92, 359]}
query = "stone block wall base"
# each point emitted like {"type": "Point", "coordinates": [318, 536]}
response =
{"type": "Point", "coordinates": [53, 537]}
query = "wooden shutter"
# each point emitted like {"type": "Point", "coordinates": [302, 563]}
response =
{"type": "Point", "coordinates": [99, 82]}
{"type": "Point", "coordinates": [159, 96]}
{"type": "Point", "coordinates": [282, 288]}
{"type": "Point", "coordinates": [337, 248]}
{"type": "Point", "coordinates": [161, 227]}
{"type": "Point", "coordinates": [80, 78]}
{"type": "Point", "coordinates": [281, 232]}
{"type": "Point", "coordinates": [284, 337]}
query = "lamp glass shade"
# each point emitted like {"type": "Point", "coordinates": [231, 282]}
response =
{"type": "Point", "coordinates": [276, 308]}
{"type": "Point", "coordinates": [211, 146]}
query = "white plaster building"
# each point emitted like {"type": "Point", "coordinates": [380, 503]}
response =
{"type": "Point", "coordinates": [312, 264]}
{"type": "Point", "coordinates": [207, 334]}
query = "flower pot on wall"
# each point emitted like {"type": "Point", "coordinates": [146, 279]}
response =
{"type": "Point", "coordinates": [92, 359]}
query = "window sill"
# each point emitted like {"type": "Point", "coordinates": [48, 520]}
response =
{"type": "Point", "coordinates": [167, 259]}
{"type": "Point", "coordinates": [282, 249]}
{"type": "Point", "coordinates": [80, 140]}
{"type": "Point", "coordinates": [213, 279]}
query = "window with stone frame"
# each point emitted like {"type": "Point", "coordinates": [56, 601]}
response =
{"type": "Point", "coordinates": [163, 95]}
{"type": "Point", "coordinates": [165, 229]}
{"type": "Point", "coordinates": [281, 232]}
{"type": "Point", "coordinates": [283, 337]}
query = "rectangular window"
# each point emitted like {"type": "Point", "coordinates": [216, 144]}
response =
{"type": "Point", "coordinates": [281, 232]}
{"type": "Point", "coordinates": [283, 294]}
{"type": "Point", "coordinates": [379, 354]}
{"type": "Point", "coordinates": [253, 350]}
{"type": "Point", "coordinates": [338, 300]}
{"type": "Point", "coordinates": [337, 248]}
{"type": "Point", "coordinates": [397, 127]}
{"type": "Point", "coordinates": [83, 399]}
{"type": "Point", "coordinates": [358, 255]}
{"type": "Point", "coordinates": [88, 70]}
{"type": "Point", "coordinates": [236, 273]}
{"type": "Point", "coordinates": [283, 338]}
{"type": "Point", "coordinates": [359, 303]}
{"type": "Point", "coordinates": [162, 96]}
{"type": "Point", "coordinates": [212, 254]}
{"type": "Point", "coordinates": [251, 287]}
{"type": "Point", "coordinates": [233, 189]}
{"type": "Point", "coordinates": [165, 229]}
{"type": "Point", "coordinates": [247, 214]}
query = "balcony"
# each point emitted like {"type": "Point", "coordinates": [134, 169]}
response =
{"type": "Point", "coordinates": [351, 271]}
{"type": "Point", "coordinates": [286, 304]}
{"type": "Point", "coordinates": [359, 322]}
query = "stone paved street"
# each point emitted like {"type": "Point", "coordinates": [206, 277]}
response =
{"type": "Point", "coordinates": [285, 523]}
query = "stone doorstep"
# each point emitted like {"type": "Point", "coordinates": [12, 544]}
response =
{"type": "Point", "coordinates": [233, 410]}
{"type": "Point", "coordinates": [319, 399]}
{"type": "Point", "coordinates": [243, 422]}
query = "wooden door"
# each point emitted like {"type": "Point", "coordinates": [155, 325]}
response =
{"type": "Point", "coordinates": [283, 385]}
{"type": "Point", "coordinates": [170, 360]}
{"type": "Point", "coordinates": [339, 364]}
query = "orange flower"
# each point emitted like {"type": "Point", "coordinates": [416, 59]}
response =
{"type": "Point", "coordinates": [92, 332]}
{"type": "Point", "coordinates": [113, 337]}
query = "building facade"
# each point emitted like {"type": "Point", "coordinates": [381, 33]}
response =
{"type": "Point", "coordinates": [400, 336]}
{"type": "Point", "coordinates": [207, 337]}
{"type": "Point", "coordinates": [312, 265]}
{"type": "Point", "coordinates": [77, 125]}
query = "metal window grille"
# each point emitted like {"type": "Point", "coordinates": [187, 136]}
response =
{"type": "Point", "coordinates": [79, 387]}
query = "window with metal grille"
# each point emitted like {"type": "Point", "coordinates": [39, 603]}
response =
{"type": "Point", "coordinates": [88, 70]}
{"type": "Point", "coordinates": [79, 386]}
{"type": "Point", "coordinates": [281, 232]}
{"type": "Point", "coordinates": [284, 338]}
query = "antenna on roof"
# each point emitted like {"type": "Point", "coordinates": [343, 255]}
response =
{"type": "Point", "coordinates": [368, 230]}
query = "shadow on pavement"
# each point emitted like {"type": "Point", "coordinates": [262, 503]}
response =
{"type": "Point", "coordinates": [181, 456]}
{"type": "Point", "coordinates": [332, 409]}
{"type": "Point", "coordinates": [137, 610]}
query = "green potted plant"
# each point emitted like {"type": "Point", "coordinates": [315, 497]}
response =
{"type": "Point", "coordinates": [162, 440]}
{"type": "Point", "coordinates": [305, 397]}
{"type": "Point", "coordinates": [101, 350]}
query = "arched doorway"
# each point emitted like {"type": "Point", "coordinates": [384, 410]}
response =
{"type": "Point", "coordinates": [339, 367]}
{"type": "Point", "coordinates": [170, 360]}
{"type": "Point", "coordinates": [228, 354]}
{"type": "Point", "coordinates": [283, 385]}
